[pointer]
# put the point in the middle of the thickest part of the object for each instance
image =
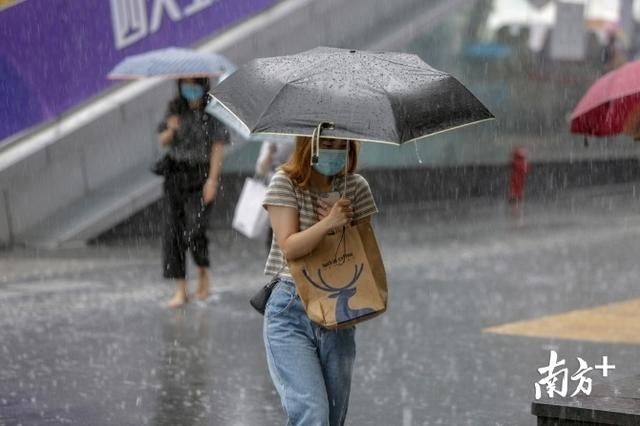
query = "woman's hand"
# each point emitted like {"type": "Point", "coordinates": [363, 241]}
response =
{"type": "Point", "coordinates": [173, 122]}
{"type": "Point", "coordinates": [336, 216]}
{"type": "Point", "coordinates": [166, 136]}
{"type": "Point", "coordinates": [209, 191]}
{"type": "Point", "coordinates": [264, 165]}
{"type": "Point", "coordinates": [322, 209]}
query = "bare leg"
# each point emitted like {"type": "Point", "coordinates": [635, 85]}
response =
{"type": "Point", "coordinates": [180, 296]}
{"type": "Point", "coordinates": [202, 292]}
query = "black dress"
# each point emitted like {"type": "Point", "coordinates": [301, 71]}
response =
{"type": "Point", "coordinates": [185, 215]}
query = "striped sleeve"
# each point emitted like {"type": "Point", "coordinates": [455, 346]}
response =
{"type": "Point", "coordinates": [364, 204]}
{"type": "Point", "coordinates": [280, 192]}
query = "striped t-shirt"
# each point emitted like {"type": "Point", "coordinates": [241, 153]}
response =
{"type": "Point", "coordinates": [282, 192]}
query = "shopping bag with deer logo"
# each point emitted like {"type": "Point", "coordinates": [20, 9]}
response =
{"type": "Point", "coordinates": [343, 281]}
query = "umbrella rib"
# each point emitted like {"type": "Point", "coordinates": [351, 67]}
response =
{"type": "Point", "coordinates": [402, 64]}
{"type": "Point", "coordinates": [388, 97]}
{"type": "Point", "coordinates": [286, 82]}
{"type": "Point", "coordinates": [449, 129]}
{"type": "Point", "coordinates": [266, 108]}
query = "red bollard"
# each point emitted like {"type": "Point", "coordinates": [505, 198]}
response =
{"type": "Point", "coordinates": [519, 170]}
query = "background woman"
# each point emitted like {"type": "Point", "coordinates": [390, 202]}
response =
{"type": "Point", "coordinates": [195, 140]}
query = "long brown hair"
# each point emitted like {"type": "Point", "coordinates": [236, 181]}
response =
{"type": "Point", "coordinates": [298, 167]}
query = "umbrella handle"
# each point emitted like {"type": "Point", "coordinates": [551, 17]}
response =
{"type": "Point", "coordinates": [315, 139]}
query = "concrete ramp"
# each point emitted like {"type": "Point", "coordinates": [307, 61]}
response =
{"type": "Point", "coordinates": [96, 212]}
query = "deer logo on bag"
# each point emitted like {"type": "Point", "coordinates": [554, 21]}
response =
{"type": "Point", "coordinates": [343, 294]}
{"type": "Point", "coordinates": [342, 279]}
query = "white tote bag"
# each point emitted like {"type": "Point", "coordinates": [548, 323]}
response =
{"type": "Point", "coordinates": [249, 218]}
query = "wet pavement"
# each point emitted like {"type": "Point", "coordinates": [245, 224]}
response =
{"type": "Point", "coordinates": [85, 340]}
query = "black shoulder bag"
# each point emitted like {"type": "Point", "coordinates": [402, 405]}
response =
{"type": "Point", "coordinates": [260, 299]}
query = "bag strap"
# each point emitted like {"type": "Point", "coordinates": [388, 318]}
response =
{"type": "Point", "coordinates": [315, 150]}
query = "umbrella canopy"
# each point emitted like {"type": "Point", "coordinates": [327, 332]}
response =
{"type": "Point", "coordinates": [368, 96]}
{"type": "Point", "coordinates": [607, 106]}
{"type": "Point", "coordinates": [172, 62]}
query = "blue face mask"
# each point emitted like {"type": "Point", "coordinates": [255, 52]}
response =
{"type": "Point", "coordinates": [331, 161]}
{"type": "Point", "coordinates": [191, 92]}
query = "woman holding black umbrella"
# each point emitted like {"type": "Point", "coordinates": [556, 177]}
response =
{"type": "Point", "coordinates": [195, 140]}
{"type": "Point", "coordinates": [310, 366]}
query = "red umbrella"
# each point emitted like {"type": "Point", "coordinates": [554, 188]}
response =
{"type": "Point", "coordinates": [609, 103]}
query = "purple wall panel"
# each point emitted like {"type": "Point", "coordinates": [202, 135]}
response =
{"type": "Point", "coordinates": [56, 53]}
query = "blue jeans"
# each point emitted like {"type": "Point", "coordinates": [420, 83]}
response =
{"type": "Point", "coordinates": [310, 366]}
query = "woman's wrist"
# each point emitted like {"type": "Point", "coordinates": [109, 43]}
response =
{"type": "Point", "coordinates": [325, 225]}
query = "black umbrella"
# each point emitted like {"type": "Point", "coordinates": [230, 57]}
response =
{"type": "Point", "coordinates": [368, 96]}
